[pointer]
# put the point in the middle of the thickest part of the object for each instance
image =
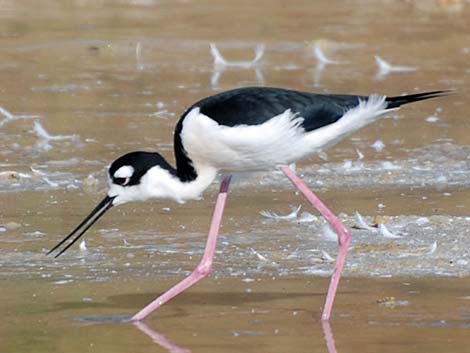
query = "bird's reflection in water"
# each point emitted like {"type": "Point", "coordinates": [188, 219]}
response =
{"type": "Point", "coordinates": [329, 339]}
{"type": "Point", "coordinates": [171, 347]}
{"type": "Point", "coordinates": [159, 339]}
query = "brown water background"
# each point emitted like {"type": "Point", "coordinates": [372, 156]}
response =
{"type": "Point", "coordinates": [108, 77]}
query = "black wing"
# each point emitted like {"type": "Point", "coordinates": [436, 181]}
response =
{"type": "Point", "coordinates": [256, 105]}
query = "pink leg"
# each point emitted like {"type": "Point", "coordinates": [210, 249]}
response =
{"type": "Point", "coordinates": [329, 338]}
{"type": "Point", "coordinates": [343, 236]}
{"type": "Point", "coordinates": [204, 267]}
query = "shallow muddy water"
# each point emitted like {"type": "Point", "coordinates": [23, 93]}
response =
{"type": "Point", "coordinates": [230, 315]}
{"type": "Point", "coordinates": [82, 82]}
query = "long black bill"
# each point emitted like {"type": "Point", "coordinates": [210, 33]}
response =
{"type": "Point", "coordinates": [96, 214]}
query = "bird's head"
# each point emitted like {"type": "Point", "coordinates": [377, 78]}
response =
{"type": "Point", "coordinates": [136, 176]}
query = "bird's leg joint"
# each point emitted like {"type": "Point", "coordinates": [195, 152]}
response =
{"type": "Point", "coordinates": [344, 237]}
{"type": "Point", "coordinates": [204, 268]}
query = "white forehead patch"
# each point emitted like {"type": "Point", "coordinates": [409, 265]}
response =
{"type": "Point", "coordinates": [125, 171]}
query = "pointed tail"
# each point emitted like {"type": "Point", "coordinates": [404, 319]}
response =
{"type": "Point", "coordinates": [395, 102]}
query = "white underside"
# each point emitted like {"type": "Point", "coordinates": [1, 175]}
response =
{"type": "Point", "coordinates": [281, 140]}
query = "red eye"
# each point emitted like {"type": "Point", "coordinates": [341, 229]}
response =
{"type": "Point", "coordinates": [121, 181]}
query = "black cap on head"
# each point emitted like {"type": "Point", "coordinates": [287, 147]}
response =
{"type": "Point", "coordinates": [141, 162]}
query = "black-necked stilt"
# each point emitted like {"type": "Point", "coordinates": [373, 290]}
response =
{"type": "Point", "coordinates": [246, 129]}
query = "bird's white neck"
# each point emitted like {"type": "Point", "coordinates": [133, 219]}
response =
{"type": "Point", "coordinates": [159, 183]}
{"type": "Point", "coordinates": [190, 190]}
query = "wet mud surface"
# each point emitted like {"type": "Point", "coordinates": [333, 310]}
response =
{"type": "Point", "coordinates": [84, 82]}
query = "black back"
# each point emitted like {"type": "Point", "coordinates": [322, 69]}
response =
{"type": "Point", "coordinates": [141, 162]}
{"type": "Point", "coordinates": [256, 105]}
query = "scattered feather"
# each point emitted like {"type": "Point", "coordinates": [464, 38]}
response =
{"type": "Point", "coordinates": [219, 60]}
{"type": "Point", "coordinates": [44, 137]}
{"type": "Point", "coordinates": [50, 182]}
{"type": "Point", "coordinates": [10, 117]}
{"type": "Point", "coordinates": [321, 57]}
{"type": "Point", "coordinates": [290, 216]}
{"type": "Point", "coordinates": [83, 246]}
{"type": "Point", "coordinates": [258, 255]}
{"type": "Point", "coordinates": [432, 119]}
{"type": "Point", "coordinates": [422, 251]}
{"type": "Point", "coordinates": [347, 164]}
{"type": "Point", "coordinates": [220, 64]}
{"type": "Point", "coordinates": [378, 146]}
{"type": "Point", "coordinates": [422, 220]}
{"type": "Point", "coordinates": [360, 155]}
{"type": "Point", "coordinates": [328, 233]}
{"type": "Point", "coordinates": [386, 233]}
{"type": "Point", "coordinates": [327, 256]}
{"type": "Point", "coordinates": [6, 114]}
{"type": "Point", "coordinates": [43, 134]}
{"type": "Point", "coordinates": [362, 224]}
{"type": "Point", "coordinates": [307, 217]}
{"type": "Point", "coordinates": [318, 50]}
{"type": "Point", "coordinates": [35, 234]}
{"type": "Point", "coordinates": [384, 68]}
{"type": "Point", "coordinates": [44, 177]}
{"type": "Point", "coordinates": [433, 248]}
{"type": "Point", "coordinates": [322, 62]}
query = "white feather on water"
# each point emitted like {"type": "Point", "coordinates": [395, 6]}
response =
{"type": "Point", "coordinates": [433, 248]}
{"type": "Point", "coordinates": [426, 251]}
{"type": "Point", "coordinates": [322, 58]}
{"type": "Point", "coordinates": [378, 146]}
{"type": "Point", "coordinates": [384, 68]}
{"type": "Point", "coordinates": [10, 117]}
{"type": "Point", "coordinates": [220, 64]}
{"type": "Point", "coordinates": [327, 256]}
{"type": "Point", "coordinates": [386, 233]}
{"type": "Point", "coordinates": [83, 246]}
{"type": "Point", "coordinates": [44, 177]}
{"type": "Point", "coordinates": [306, 217]}
{"type": "Point", "coordinates": [290, 216]}
{"type": "Point", "coordinates": [219, 60]}
{"type": "Point", "coordinates": [328, 234]}
{"type": "Point", "coordinates": [263, 258]}
{"type": "Point", "coordinates": [360, 155]}
{"type": "Point", "coordinates": [43, 134]}
{"type": "Point", "coordinates": [44, 137]}
{"type": "Point", "coordinates": [258, 255]}
{"type": "Point", "coordinates": [362, 224]}
{"type": "Point", "coordinates": [6, 114]}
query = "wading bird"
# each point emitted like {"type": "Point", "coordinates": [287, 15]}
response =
{"type": "Point", "coordinates": [245, 129]}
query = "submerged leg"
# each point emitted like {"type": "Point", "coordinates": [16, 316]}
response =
{"type": "Point", "coordinates": [343, 236]}
{"type": "Point", "coordinates": [204, 267]}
